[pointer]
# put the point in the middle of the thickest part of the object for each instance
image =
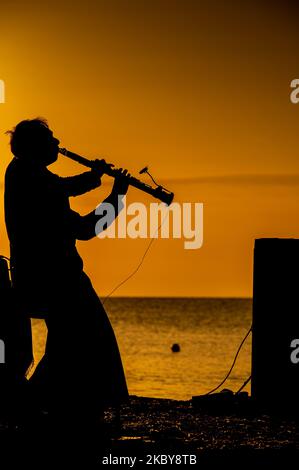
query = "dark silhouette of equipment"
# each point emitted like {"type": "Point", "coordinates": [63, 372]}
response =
{"type": "Point", "coordinates": [275, 324]}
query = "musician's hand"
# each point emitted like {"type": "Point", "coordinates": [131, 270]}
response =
{"type": "Point", "coordinates": [121, 182]}
{"type": "Point", "coordinates": [100, 167]}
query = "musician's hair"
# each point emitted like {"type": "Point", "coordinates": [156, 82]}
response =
{"type": "Point", "coordinates": [26, 135]}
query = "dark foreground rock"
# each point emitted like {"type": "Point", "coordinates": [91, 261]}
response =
{"type": "Point", "coordinates": [156, 431]}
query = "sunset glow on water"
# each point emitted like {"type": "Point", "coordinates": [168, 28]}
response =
{"type": "Point", "coordinates": [208, 331]}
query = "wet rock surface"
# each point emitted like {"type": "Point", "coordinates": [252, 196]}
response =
{"type": "Point", "coordinates": [154, 427]}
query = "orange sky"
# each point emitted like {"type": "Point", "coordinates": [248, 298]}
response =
{"type": "Point", "coordinates": [197, 90]}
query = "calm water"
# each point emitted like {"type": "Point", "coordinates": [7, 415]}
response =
{"type": "Point", "coordinates": [208, 331]}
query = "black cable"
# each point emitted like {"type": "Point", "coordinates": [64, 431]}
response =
{"type": "Point", "coordinates": [244, 385]}
{"type": "Point", "coordinates": [152, 178]}
{"type": "Point", "coordinates": [147, 172]}
{"type": "Point", "coordinates": [132, 274]}
{"type": "Point", "coordinates": [233, 364]}
{"type": "Point", "coordinates": [139, 264]}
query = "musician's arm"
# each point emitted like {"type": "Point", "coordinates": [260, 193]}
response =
{"type": "Point", "coordinates": [85, 228]}
{"type": "Point", "coordinates": [88, 226]}
{"type": "Point", "coordinates": [79, 184]}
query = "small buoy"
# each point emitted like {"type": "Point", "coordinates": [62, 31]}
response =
{"type": "Point", "coordinates": [175, 347]}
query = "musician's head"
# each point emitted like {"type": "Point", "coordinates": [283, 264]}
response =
{"type": "Point", "coordinates": [33, 141]}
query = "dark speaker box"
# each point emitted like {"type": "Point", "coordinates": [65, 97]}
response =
{"type": "Point", "coordinates": [275, 381]}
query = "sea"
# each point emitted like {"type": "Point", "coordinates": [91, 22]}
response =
{"type": "Point", "coordinates": [208, 332]}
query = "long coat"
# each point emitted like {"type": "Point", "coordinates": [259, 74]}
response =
{"type": "Point", "coordinates": [82, 363]}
